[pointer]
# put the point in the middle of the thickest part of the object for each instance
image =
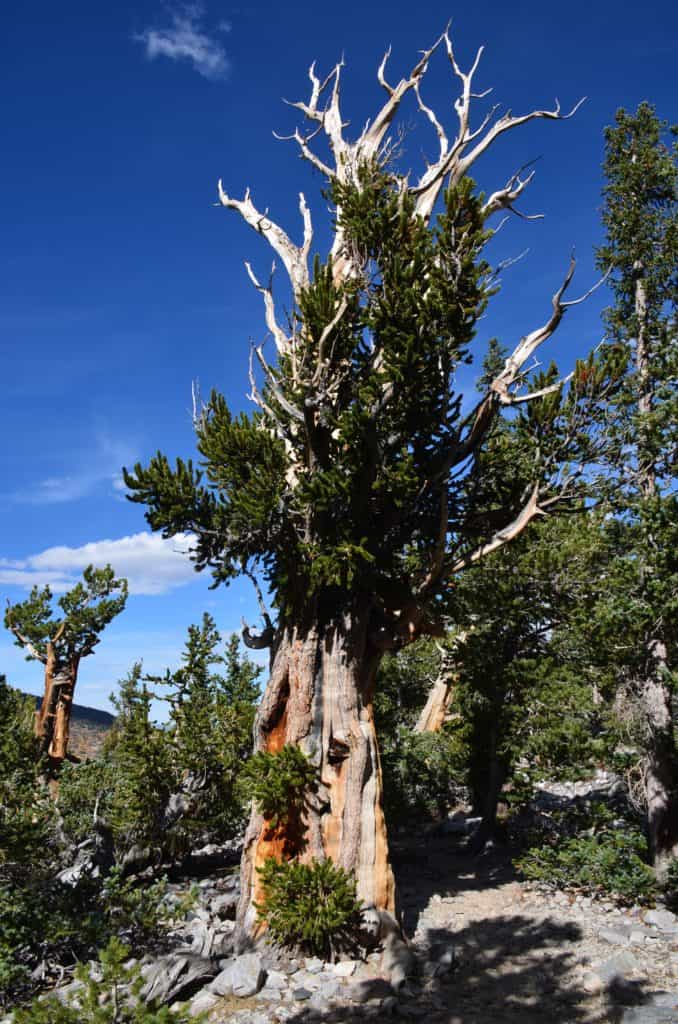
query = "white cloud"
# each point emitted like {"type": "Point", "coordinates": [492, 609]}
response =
{"type": "Point", "coordinates": [151, 564]}
{"type": "Point", "coordinates": [100, 466]}
{"type": "Point", "coordinates": [186, 39]}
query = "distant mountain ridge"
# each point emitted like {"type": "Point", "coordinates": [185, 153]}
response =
{"type": "Point", "coordinates": [89, 728]}
{"type": "Point", "coordinates": [81, 713]}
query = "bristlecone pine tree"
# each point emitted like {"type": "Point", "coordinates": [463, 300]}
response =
{"type": "Point", "coordinates": [638, 609]}
{"type": "Point", "coordinates": [345, 487]}
{"type": "Point", "coordinates": [61, 643]}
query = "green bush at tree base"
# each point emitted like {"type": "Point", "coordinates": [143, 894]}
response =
{"type": "Point", "coordinates": [312, 906]}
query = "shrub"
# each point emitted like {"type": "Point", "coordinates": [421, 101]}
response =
{"type": "Point", "coordinates": [606, 854]}
{"type": "Point", "coordinates": [278, 783]}
{"type": "Point", "coordinates": [422, 774]}
{"type": "Point", "coordinates": [670, 885]}
{"type": "Point", "coordinates": [109, 995]}
{"type": "Point", "coordinates": [313, 906]}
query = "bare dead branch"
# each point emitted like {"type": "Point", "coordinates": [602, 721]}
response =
{"type": "Point", "coordinates": [292, 256]}
{"type": "Point", "coordinates": [280, 398]}
{"type": "Point", "coordinates": [25, 642]}
{"type": "Point", "coordinates": [501, 537]}
{"type": "Point", "coordinates": [257, 641]}
{"type": "Point", "coordinates": [507, 399]}
{"type": "Point", "coordinates": [282, 342]}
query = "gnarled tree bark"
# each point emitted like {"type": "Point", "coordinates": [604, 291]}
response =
{"type": "Point", "coordinates": [53, 718]}
{"type": "Point", "coordinates": [319, 697]}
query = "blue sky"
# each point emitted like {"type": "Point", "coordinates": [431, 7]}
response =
{"type": "Point", "coordinates": [121, 282]}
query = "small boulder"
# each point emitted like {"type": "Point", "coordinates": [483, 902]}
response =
{"type": "Point", "coordinates": [243, 977]}
{"type": "Point", "coordinates": [173, 977]}
{"type": "Point", "coordinates": [662, 919]}
{"type": "Point", "coordinates": [345, 968]}
{"type": "Point", "coordinates": [202, 1003]}
{"type": "Point", "coordinates": [616, 937]}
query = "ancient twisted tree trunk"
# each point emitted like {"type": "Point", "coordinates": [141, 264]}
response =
{"type": "Point", "coordinates": [53, 718]}
{"type": "Point", "coordinates": [319, 697]}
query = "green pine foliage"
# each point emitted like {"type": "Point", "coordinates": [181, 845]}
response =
{"type": "Point", "coordinates": [195, 759]}
{"type": "Point", "coordinates": [140, 753]}
{"type": "Point", "coordinates": [108, 993]}
{"type": "Point", "coordinates": [594, 851]}
{"type": "Point", "coordinates": [280, 783]}
{"type": "Point", "coordinates": [422, 772]}
{"type": "Point", "coordinates": [24, 806]}
{"type": "Point", "coordinates": [86, 610]}
{"type": "Point", "coordinates": [313, 906]}
{"type": "Point", "coordinates": [335, 485]}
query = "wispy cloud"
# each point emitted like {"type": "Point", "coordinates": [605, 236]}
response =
{"type": "Point", "coordinates": [151, 564]}
{"type": "Point", "coordinates": [101, 467]}
{"type": "Point", "coordinates": [187, 39]}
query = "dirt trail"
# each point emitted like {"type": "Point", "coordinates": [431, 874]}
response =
{"type": "Point", "coordinates": [525, 955]}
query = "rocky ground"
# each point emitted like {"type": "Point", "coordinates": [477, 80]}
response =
{"type": "Point", "coordinates": [484, 948]}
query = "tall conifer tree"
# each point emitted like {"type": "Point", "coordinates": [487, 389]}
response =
{"type": "Point", "coordinates": [354, 487]}
{"type": "Point", "coordinates": [639, 610]}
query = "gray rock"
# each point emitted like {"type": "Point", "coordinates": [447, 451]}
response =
{"type": "Point", "coordinates": [271, 995]}
{"type": "Point", "coordinates": [345, 968]}
{"type": "Point", "coordinates": [328, 991]}
{"type": "Point", "coordinates": [618, 966]}
{"type": "Point", "coordinates": [301, 994]}
{"type": "Point", "coordinates": [202, 1003]}
{"type": "Point", "coordinates": [210, 941]}
{"type": "Point", "coordinates": [314, 965]}
{"type": "Point", "coordinates": [302, 979]}
{"type": "Point", "coordinates": [276, 979]}
{"type": "Point", "coordinates": [172, 976]}
{"type": "Point", "coordinates": [665, 999]}
{"type": "Point", "coordinates": [243, 977]}
{"type": "Point", "coordinates": [68, 994]}
{"type": "Point", "coordinates": [615, 936]}
{"type": "Point", "coordinates": [398, 962]}
{"type": "Point", "coordinates": [647, 1015]}
{"type": "Point", "coordinates": [364, 991]}
{"type": "Point", "coordinates": [662, 919]}
{"type": "Point", "coordinates": [592, 983]}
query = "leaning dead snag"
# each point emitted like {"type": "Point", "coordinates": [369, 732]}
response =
{"type": "Point", "coordinates": [353, 487]}
{"type": "Point", "coordinates": [60, 644]}
{"type": "Point", "coordinates": [436, 709]}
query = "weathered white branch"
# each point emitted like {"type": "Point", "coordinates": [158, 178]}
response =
{"type": "Point", "coordinates": [291, 255]}
{"type": "Point", "coordinates": [280, 398]}
{"type": "Point", "coordinates": [282, 342]}
{"type": "Point", "coordinates": [501, 537]}
{"type": "Point", "coordinates": [529, 344]}
{"type": "Point", "coordinates": [25, 642]}
{"type": "Point", "coordinates": [327, 331]}
{"type": "Point", "coordinates": [504, 198]}
{"type": "Point", "coordinates": [507, 399]}
{"type": "Point", "coordinates": [504, 124]}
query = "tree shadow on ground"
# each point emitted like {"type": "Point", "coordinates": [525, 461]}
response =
{"type": "Point", "coordinates": [429, 864]}
{"type": "Point", "coordinates": [507, 970]}
{"type": "Point", "coordinates": [509, 967]}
